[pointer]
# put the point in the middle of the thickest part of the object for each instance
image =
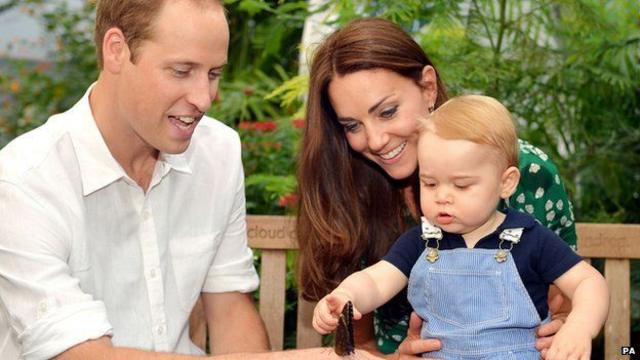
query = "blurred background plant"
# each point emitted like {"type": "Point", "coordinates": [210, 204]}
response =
{"type": "Point", "coordinates": [569, 71]}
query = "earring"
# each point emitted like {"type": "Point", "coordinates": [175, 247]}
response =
{"type": "Point", "coordinates": [431, 108]}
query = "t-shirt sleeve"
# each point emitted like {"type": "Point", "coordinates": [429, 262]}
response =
{"type": "Point", "coordinates": [541, 193]}
{"type": "Point", "coordinates": [554, 256]}
{"type": "Point", "coordinates": [406, 250]}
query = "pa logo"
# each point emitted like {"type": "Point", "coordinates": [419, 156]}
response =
{"type": "Point", "coordinates": [627, 350]}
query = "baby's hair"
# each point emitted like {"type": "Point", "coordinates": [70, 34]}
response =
{"type": "Point", "coordinates": [476, 118]}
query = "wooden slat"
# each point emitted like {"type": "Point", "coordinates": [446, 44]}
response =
{"type": "Point", "coordinates": [306, 336]}
{"type": "Point", "coordinates": [617, 328]}
{"type": "Point", "coordinates": [614, 241]}
{"type": "Point", "coordinates": [271, 232]}
{"type": "Point", "coordinates": [272, 291]}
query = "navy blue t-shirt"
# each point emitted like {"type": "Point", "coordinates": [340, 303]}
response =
{"type": "Point", "coordinates": [541, 256]}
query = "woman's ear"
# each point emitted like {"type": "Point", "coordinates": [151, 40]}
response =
{"type": "Point", "coordinates": [509, 182]}
{"type": "Point", "coordinates": [429, 84]}
{"type": "Point", "coordinates": [115, 51]}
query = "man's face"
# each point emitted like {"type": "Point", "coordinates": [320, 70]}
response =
{"type": "Point", "coordinates": [174, 79]}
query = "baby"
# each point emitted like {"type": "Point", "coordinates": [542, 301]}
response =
{"type": "Point", "coordinates": [477, 276]}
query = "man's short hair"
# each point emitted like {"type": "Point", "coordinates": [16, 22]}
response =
{"type": "Point", "coordinates": [133, 17]}
{"type": "Point", "coordinates": [479, 119]}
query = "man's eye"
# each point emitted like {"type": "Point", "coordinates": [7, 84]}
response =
{"type": "Point", "coordinates": [180, 73]}
{"type": "Point", "coordinates": [214, 75]}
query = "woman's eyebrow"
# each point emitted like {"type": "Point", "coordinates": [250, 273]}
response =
{"type": "Point", "coordinates": [376, 105]}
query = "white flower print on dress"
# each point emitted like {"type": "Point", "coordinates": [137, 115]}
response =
{"type": "Point", "coordinates": [520, 199]}
{"type": "Point", "coordinates": [529, 208]}
{"type": "Point", "coordinates": [539, 193]}
{"type": "Point", "coordinates": [560, 204]}
{"type": "Point", "coordinates": [548, 205]}
{"type": "Point", "coordinates": [534, 168]}
{"type": "Point", "coordinates": [551, 215]}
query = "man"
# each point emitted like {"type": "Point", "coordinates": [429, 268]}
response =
{"type": "Point", "coordinates": [118, 213]}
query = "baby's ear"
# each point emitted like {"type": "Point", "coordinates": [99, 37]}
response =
{"type": "Point", "coordinates": [509, 181]}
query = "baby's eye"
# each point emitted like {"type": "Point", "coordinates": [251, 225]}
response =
{"type": "Point", "coordinates": [462, 186]}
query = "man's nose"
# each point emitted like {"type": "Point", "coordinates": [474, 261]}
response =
{"type": "Point", "coordinates": [202, 92]}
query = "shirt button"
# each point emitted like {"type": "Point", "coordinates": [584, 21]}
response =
{"type": "Point", "coordinates": [160, 329]}
{"type": "Point", "coordinates": [146, 215]}
{"type": "Point", "coordinates": [152, 273]}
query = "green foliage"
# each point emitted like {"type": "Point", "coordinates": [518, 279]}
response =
{"type": "Point", "coordinates": [31, 92]}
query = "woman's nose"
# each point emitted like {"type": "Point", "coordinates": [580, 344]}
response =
{"type": "Point", "coordinates": [377, 138]}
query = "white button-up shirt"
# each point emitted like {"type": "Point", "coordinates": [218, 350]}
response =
{"type": "Point", "coordinates": [85, 252]}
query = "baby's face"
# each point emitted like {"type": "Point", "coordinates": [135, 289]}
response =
{"type": "Point", "coordinates": [460, 183]}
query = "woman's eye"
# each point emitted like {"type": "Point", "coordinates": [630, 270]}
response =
{"type": "Point", "coordinates": [389, 112]}
{"type": "Point", "coordinates": [429, 185]}
{"type": "Point", "coordinates": [350, 126]}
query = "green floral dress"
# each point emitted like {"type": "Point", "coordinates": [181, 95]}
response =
{"type": "Point", "coordinates": [540, 193]}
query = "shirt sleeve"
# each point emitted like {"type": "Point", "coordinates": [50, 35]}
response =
{"type": "Point", "coordinates": [43, 304]}
{"type": "Point", "coordinates": [554, 256]}
{"type": "Point", "coordinates": [232, 268]}
{"type": "Point", "coordinates": [541, 193]}
{"type": "Point", "coordinates": [406, 250]}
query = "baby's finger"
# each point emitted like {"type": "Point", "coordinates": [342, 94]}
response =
{"type": "Point", "coordinates": [321, 327]}
{"type": "Point", "coordinates": [334, 304]}
{"type": "Point", "coordinates": [357, 315]}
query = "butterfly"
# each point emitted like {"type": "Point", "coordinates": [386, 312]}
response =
{"type": "Point", "coordinates": [344, 344]}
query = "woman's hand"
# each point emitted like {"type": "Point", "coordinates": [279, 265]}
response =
{"type": "Point", "coordinates": [413, 345]}
{"type": "Point", "coordinates": [559, 306]}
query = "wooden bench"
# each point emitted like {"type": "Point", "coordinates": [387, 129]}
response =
{"type": "Point", "coordinates": [274, 236]}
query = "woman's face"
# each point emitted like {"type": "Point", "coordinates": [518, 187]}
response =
{"type": "Point", "coordinates": [379, 110]}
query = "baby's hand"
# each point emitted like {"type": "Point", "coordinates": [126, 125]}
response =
{"type": "Point", "coordinates": [327, 312]}
{"type": "Point", "coordinates": [571, 342]}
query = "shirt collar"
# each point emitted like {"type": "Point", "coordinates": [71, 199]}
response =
{"type": "Point", "coordinates": [98, 168]}
{"type": "Point", "coordinates": [178, 162]}
{"type": "Point", "coordinates": [516, 219]}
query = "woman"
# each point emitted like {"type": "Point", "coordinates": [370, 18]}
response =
{"type": "Point", "coordinates": [357, 176]}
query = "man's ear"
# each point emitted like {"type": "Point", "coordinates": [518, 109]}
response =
{"type": "Point", "coordinates": [509, 181]}
{"type": "Point", "coordinates": [115, 52]}
{"type": "Point", "coordinates": [429, 84]}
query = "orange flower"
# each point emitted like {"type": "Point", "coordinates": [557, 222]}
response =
{"type": "Point", "coordinates": [298, 123]}
{"type": "Point", "coordinates": [288, 200]}
{"type": "Point", "coordinates": [265, 126]}
{"type": "Point", "coordinates": [245, 125]}
{"type": "Point", "coordinates": [15, 86]}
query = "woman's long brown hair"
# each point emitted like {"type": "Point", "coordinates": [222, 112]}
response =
{"type": "Point", "coordinates": [350, 210]}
